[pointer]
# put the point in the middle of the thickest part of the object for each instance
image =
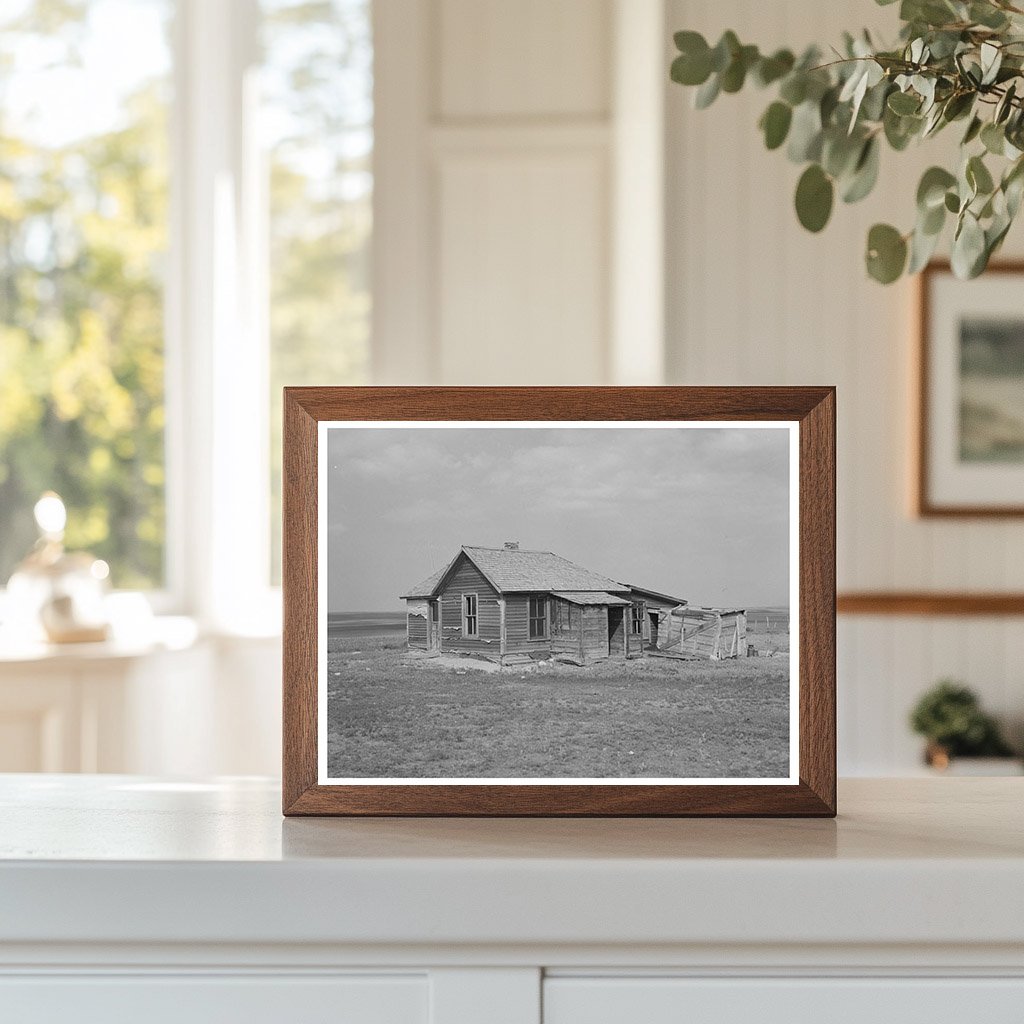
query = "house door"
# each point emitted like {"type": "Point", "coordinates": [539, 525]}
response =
{"type": "Point", "coordinates": [652, 617]}
{"type": "Point", "coordinates": [616, 631]}
{"type": "Point", "coordinates": [434, 643]}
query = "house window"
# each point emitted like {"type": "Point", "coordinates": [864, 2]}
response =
{"type": "Point", "coordinates": [637, 619]}
{"type": "Point", "coordinates": [469, 617]}
{"type": "Point", "coordinates": [538, 618]}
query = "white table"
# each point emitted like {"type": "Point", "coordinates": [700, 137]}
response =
{"type": "Point", "coordinates": [125, 898]}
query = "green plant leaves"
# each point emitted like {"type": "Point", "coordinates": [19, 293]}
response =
{"type": "Point", "coordinates": [956, 60]}
{"type": "Point", "coordinates": [886, 254]}
{"type": "Point", "coordinates": [969, 255]}
{"type": "Point", "coordinates": [693, 65]}
{"type": "Point", "coordinates": [978, 176]}
{"type": "Point", "coordinates": [993, 138]}
{"type": "Point", "coordinates": [865, 173]}
{"type": "Point", "coordinates": [805, 133]}
{"type": "Point", "coordinates": [904, 103]}
{"type": "Point", "coordinates": [771, 69]}
{"type": "Point", "coordinates": [814, 196]}
{"type": "Point", "coordinates": [932, 189]}
{"type": "Point", "coordinates": [775, 122]}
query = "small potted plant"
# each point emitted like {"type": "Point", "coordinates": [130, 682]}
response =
{"type": "Point", "coordinates": [950, 718]}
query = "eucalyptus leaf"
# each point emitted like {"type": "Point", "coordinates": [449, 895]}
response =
{"type": "Point", "coordinates": [724, 51]}
{"type": "Point", "coordinates": [931, 190]}
{"type": "Point", "coordinates": [707, 93]}
{"type": "Point", "coordinates": [968, 248]}
{"type": "Point", "coordinates": [805, 133]}
{"type": "Point", "coordinates": [886, 253]}
{"type": "Point", "coordinates": [735, 74]}
{"type": "Point", "coordinates": [693, 65]}
{"type": "Point", "coordinates": [973, 130]}
{"type": "Point", "coordinates": [814, 196]}
{"type": "Point", "coordinates": [794, 88]}
{"type": "Point", "coordinates": [840, 152]}
{"type": "Point", "coordinates": [978, 176]}
{"type": "Point", "coordinates": [1005, 105]}
{"type": "Point", "coordinates": [993, 138]}
{"type": "Point", "coordinates": [987, 15]}
{"type": "Point", "coordinates": [922, 248]}
{"type": "Point", "coordinates": [932, 221]}
{"type": "Point", "coordinates": [775, 124]}
{"type": "Point", "coordinates": [903, 103]}
{"type": "Point", "coordinates": [991, 61]}
{"type": "Point", "coordinates": [865, 173]}
{"type": "Point", "coordinates": [958, 105]}
{"type": "Point", "coordinates": [771, 69]}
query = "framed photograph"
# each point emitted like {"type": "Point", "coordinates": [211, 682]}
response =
{"type": "Point", "coordinates": [559, 601]}
{"type": "Point", "coordinates": [970, 450]}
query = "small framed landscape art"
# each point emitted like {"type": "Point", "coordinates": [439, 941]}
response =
{"type": "Point", "coordinates": [970, 445]}
{"type": "Point", "coordinates": [559, 601]}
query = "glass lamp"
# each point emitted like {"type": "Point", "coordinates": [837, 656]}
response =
{"type": "Point", "coordinates": [55, 595]}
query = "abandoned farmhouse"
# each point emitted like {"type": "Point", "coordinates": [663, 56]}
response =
{"type": "Point", "coordinates": [508, 604]}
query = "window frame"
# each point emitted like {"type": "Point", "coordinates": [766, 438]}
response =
{"type": "Point", "coordinates": [473, 634]}
{"type": "Point", "coordinates": [638, 612]}
{"type": "Point", "coordinates": [544, 620]}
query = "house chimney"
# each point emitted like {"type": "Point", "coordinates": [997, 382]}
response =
{"type": "Point", "coordinates": [511, 545]}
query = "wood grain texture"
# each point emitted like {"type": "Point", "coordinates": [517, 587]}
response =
{"type": "Point", "coordinates": [812, 407]}
{"type": "Point", "coordinates": [923, 503]}
{"type": "Point", "coordinates": [926, 603]}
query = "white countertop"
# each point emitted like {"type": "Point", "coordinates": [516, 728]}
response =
{"type": "Point", "coordinates": [120, 859]}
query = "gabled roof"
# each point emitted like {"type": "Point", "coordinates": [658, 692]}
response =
{"type": "Point", "coordinates": [428, 586]}
{"type": "Point", "coordinates": [513, 569]}
{"type": "Point", "coordinates": [589, 597]}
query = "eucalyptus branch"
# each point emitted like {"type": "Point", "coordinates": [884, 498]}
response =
{"type": "Point", "coordinates": [954, 60]}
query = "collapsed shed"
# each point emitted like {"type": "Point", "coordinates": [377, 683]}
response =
{"type": "Point", "coordinates": [713, 633]}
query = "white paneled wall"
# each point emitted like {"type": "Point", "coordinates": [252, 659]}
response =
{"type": "Point", "coordinates": [753, 299]}
{"type": "Point", "coordinates": [504, 138]}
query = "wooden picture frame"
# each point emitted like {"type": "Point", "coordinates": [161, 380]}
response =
{"type": "Point", "coordinates": [809, 415]}
{"type": "Point", "coordinates": [940, 490]}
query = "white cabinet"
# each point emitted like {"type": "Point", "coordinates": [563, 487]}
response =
{"type": "Point", "coordinates": [829, 1000]}
{"type": "Point", "coordinates": [131, 899]}
{"type": "Point", "coordinates": [216, 1000]}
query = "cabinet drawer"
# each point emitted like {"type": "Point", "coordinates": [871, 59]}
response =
{"type": "Point", "coordinates": [202, 999]}
{"type": "Point", "coordinates": [625, 1000]}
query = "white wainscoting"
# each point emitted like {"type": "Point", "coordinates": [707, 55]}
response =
{"type": "Point", "coordinates": [754, 299]}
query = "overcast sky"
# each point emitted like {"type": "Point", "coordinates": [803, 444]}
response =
{"type": "Point", "coordinates": [701, 514]}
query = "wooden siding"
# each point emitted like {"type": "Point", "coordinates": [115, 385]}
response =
{"type": "Point", "coordinates": [416, 624]}
{"type": "Point", "coordinates": [465, 578]}
{"type": "Point", "coordinates": [595, 633]}
{"type": "Point", "coordinates": [635, 641]}
{"type": "Point", "coordinates": [517, 627]}
{"type": "Point", "coordinates": [566, 619]}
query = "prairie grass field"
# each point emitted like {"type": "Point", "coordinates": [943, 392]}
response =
{"type": "Point", "coordinates": [396, 715]}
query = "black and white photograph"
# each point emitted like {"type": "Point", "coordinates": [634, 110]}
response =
{"type": "Point", "coordinates": [566, 602]}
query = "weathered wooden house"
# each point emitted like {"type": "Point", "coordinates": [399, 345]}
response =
{"type": "Point", "coordinates": [509, 604]}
